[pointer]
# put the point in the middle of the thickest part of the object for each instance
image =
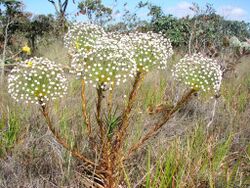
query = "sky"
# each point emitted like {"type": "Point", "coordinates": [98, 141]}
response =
{"type": "Point", "coordinates": [230, 9]}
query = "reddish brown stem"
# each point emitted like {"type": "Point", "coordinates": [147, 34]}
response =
{"type": "Point", "coordinates": [98, 113]}
{"type": "Point", "coordinates": [155, 128]}
{"type": "Point", "coordinates": [106, 162]}
{"type": "Point", "coordinates": [121, 133]}
{"type": "Point", "coordinates": [75, 153]}
{"type": "Point", "coordinates": [102, 135]}
{"type": "Point", "coordinates": [95, 171]}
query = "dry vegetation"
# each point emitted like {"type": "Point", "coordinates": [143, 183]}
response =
{"type": "Point", "coordinates": [149, 130]}
{"type": "Point", "coordinates": [195, 149]}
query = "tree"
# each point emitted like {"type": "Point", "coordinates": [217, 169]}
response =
{"type": "Point", "coordinates": [95, 11]}
{"type": "Point", "coordinates": [36, 27]}
{"type": "Point", "coordinates": [204, 32]}
{"type": "Point", "coordinates": [60, 8]}
{"type": "Point", "coordinates": [155, 11]}
{"type": "Point", "coordinates": [12, 11]}
{"type": "Point", "coordinates": [130, 20]}
{"type": "Point", "coordinates": [177, 30]}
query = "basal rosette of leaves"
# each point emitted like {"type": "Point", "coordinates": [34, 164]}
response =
{"type": "Point", "coordinates": [37, 80]}
{"type": "Point", "coordinates": [81, 37]}
{"type": "Point", "coordinates": [150, 50]}
{"type": "Point", "coordinates": [108, 64]}
{"type": "Point", "coordinates": [198, 72]}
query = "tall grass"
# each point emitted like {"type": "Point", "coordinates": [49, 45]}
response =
{"type": "Point", "coordinates": [198, 160]}
{"type": "Point", "coordinates": [218, 157]}
{"type": "Point", "coordinates": [9, 131]}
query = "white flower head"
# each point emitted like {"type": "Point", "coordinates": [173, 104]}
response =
{"type": "Point", "coordinates": [36, 80]}
{"type": "Point", "coordinates": [149, 49]}
{"type": "Point", "coordinates": [81, 37]}
{"type": "Point", "coordinates": [198, 72]}
{"type": "Point", "coordinates": [245, 46]}
{"type": "Point", "coordinates": [234, 42]}
{"type": "Point", "coordinates": [108, 64]}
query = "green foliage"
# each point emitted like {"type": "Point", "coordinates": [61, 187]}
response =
{"type": "Point", "coordinates": [23, 29]}
{"type": "Point", "coordinates": [153, 94]}
{"type": "Point", "coordinates": [240, 29]}
{"type": "Point", "coordinates": [39, 26]}
{"type": "Point", "coordinates": [9, 131]}
{"type": "Point", "coordinates": [95, 11]}
{"type": "Point", "coordinates": [195, 160]}
{"type": "Point", "coordinates": [155, 11]}
{"type": "Point", "coordinates": [237, 99]}
{"type": "Point", "coordinates": [178, 30]}
{"type": "Point", "coordinates": [204, 30]}
{"type": "Point", "coordinates": [11, 8]}
{"type": "Point", "coordinates": [112, 121]}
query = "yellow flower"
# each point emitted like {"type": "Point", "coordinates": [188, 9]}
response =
{"type": "Point", "coordinates": [29, 63]}
{"type": "Point", "coordinates": [77, 45]}
{"type": "Point", "coordinates": [26, 49]}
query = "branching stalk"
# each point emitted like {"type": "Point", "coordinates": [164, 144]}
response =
{"type": "Point", "coordinates": [106, 162]}
{"type": "Point", "coordinates": [98, 112]}
{"type": "Point", "coordinates": [75, 153]}
{"type": "Point", "coordinates": [155, 128]}
{"type": "Point", "coordinates": [121, 134]}
{"type": "Point", "coordinates": [92, 169]}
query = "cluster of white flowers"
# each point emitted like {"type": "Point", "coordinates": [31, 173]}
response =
{"type": "Point", "coordinates": [81, 37]}
{"type": "Point", "coordinates": [36, 80]}
{"type": "Point", "coordinates": [108, 59]}
{"type": "Point", "coordinates": [245, 45]}
{"type": "Point", "coordinates": [198, 72]}
{"type": "Point", "coordinates": [107, 65]}
{"type": "Point", "coordinates": [149, 49]}
{"type": "Point", "coordinates": [236, 43]}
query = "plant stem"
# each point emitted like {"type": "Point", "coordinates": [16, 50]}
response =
{"type": "Point", "coordinates": [106, 162]}
{"type": "Point", "coordinates": [113, 151]}
{"type": "Point", "coordinates": [121, 133]}
{"type": "Point", "coordinates": [98, 112]}
{"type": "Point", "coordinates": [102, 135]}
{"type": "Point", "coordinates": [75, 153]}
{"type": "Point", "coordinates": [155, 128]}
{"type": "Point", "coordinates": [95, 171]}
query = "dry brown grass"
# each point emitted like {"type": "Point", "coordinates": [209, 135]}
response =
{"type": "Point", "coordinates": [34, 159]}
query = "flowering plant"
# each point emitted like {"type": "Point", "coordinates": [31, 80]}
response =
{"type": "Point", "coordinates": [198, 72]}
{"type": "Point", "coordinates": [26, 49]}
{"type": "Point", "coordinates": [106, 65]}
{"type": "Point", "coordinates": [105, 60]}
{"type": "Point", "coordinates": [37, 80]}
{"type": "Point", "coordinates": [81, 37]}
{"type": "Point", "coordinates": [149, 50]}
{"type": "Point", "coordinates": [237, 44]}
